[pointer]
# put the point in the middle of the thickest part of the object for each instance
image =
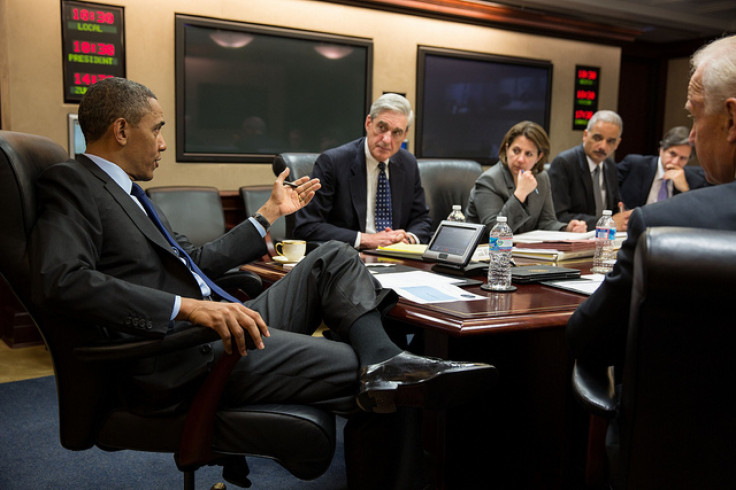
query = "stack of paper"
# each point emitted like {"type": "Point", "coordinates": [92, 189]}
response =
{"type": "Point", "coordinates": [554, 246]}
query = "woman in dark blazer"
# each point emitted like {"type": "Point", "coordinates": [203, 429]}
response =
{"type": "Point", "coordinates": [517, 186]}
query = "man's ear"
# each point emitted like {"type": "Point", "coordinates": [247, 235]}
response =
{"type": "Point", "coordinates": [731, 119]}
{"type": "Point", "coordinates": [120, 130]}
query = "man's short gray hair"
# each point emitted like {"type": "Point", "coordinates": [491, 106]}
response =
{"type": "Point", "coordinates": [392, 102]}
{"type": "Point", "coordinates": [606, 116]}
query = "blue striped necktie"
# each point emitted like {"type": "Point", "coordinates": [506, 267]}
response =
{"type": "Point", "coordinates": [139, 194]}
{"type": "Point", "coordinates": [663, 192]}
{"type": "Point", "coordinates": [383, 201]}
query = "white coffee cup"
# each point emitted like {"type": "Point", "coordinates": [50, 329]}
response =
{"type": "Point", "coordinates": [292, 250]}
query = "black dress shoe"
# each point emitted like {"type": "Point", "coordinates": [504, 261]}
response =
{"type": "Point", "coordinates": [408, 380]}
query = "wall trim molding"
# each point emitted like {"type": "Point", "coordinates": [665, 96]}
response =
{"type": "Point", "coordinates": [503, 17]}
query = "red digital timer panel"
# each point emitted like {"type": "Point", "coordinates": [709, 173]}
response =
{"type": "Point", "coordinates": [94, 45]}
{"type": "Point", "coordinates": [586, 95]}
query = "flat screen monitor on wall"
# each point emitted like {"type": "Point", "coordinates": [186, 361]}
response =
{"type": "Point", "coordinates": [466, 101]}
{"type": "Point", "coordinates": [245, 92]}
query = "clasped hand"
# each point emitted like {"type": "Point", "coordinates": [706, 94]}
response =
{"type": "Point", "coordinates": [384, 238]}
{"type": "Point", "coordinates": [677, 176]}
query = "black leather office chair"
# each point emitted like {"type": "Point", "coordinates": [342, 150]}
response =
{"type": "Point", "coordinates": [674, 406]}
{"type": "Point", "coordinates": [301, 438]}
{"type": "Point", "coordinates": [447, 182]}
{"type": "Point", "coordinates": [299, 164]}
{"type": "Point", "coordinates": [254, 196]}
{"type": "Point", "coordinates": [196, 212]}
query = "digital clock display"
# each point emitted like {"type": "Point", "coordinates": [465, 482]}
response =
{"type": "Point", "coordinates": [94, 45]}
{"type": "Point", "coordinates": [586, 95]}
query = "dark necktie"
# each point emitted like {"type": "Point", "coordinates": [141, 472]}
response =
{"type": "Point", "coordinates": [138, 193]}
{"type": "Point", "coordinates": [383, 201]}
{"type": "Point", "coordinates": [663, 191]}
{"type": "Point", "coordinates": [597, 190]}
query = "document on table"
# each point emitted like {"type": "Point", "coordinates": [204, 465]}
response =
{"type": "Point", "coordinates": [537, 236]}
{"type": "Point", "coordinates": [425, 287]}
{"type": "Point", "coordinates": [586, 284]}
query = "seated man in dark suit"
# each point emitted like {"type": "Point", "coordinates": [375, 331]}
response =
{"type": "Point", "coordinates": [102, 254]}
{"type": "Point", "coordinates": [371, 193]}
{"type": "Point", "coordinates": [597, 330]}
{"type": "Point", "coordinates": [584, 179]}
{"type": "Point", "coordinates": [647, 179]}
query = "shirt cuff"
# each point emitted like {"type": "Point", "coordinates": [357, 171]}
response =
{"type": "Point", "coordinates": [413, 237]}
{"type": "Point", "coordinates": [258, 226]}
{"type": "Point", "coordinates": [177, 307]}
{"type": "Point", "coordinates": [356, 245]}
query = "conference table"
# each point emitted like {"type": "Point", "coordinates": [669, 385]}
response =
{"type": "Point", "coordinates": [526, 432]}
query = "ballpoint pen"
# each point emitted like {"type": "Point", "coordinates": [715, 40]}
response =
{"type": "Point", "coordinates": [291, 184]}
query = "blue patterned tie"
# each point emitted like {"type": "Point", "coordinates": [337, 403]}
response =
{"type": "Point", "coordinates": [137, 192]}
{"type": "Point", "coordinates": [663, 193]}
{"type": "Point", "coordinates": [383, 201]}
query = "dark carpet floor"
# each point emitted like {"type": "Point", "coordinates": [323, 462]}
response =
{"type": "Point", "coordinates": [31, 456]}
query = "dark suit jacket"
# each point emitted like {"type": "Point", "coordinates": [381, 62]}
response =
{"type": "Point", "coordinates": [493, 195]}
{"type": "Point", "coordinates": [572, 188]}
{"type": "Point", "coordinates": [97, 256]}
{"type": "Point", "coordinates": [597, 330]}
{"type": "Point", "coordinates": [338, 210]}
{"type": "Point", "coordinates": [636, 175]}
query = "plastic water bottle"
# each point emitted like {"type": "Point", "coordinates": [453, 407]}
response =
{"type": "Point", "coordinates": [456, 214]}
{"type": "Point", "coordinates": [605, 253]}
{"type": "Point", "coordinates": [500, 244]}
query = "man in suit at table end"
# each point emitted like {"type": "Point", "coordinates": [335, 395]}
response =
{"type": "Point", "coordinates": [598, 328]}
{"type": "Point", "coordinates": [353, 206]}
{"type": "Point", "coordinates": [103, 256]}
{"type": "Point", "coordinates": [584, 178]}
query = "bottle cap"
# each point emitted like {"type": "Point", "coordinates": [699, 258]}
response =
{"type": "Point", "coordinates": [607, 212]}
{"type": "Point", "coordinates": [456, 207]}
{"type": "Point", "coordinates": [501, 219]}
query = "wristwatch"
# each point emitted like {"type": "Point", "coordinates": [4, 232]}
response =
{"type": "Point", "coordinates": [262, 220]}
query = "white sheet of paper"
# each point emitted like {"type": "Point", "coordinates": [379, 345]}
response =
{"type": "Point", "coordinates": [587, 284]}
{"type": "Point", "coordinates": [424, 287]}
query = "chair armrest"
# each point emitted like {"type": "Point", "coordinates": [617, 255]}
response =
{"type": "Point", "coordinates": [245, 281]}
{"type": "Point", "coordinates": [195, 448]}
{"type": "Point", "coordinates": [595, 387]}
{"type": "Point", "coordinates": [146, 348]}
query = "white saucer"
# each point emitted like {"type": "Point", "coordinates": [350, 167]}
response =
{"type": "Point", "coordinates": [283, 260]}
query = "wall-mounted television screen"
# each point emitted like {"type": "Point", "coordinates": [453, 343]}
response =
{"type": "Point", "coordinates": [466, 101]}
{"type": "Point", "coordinates": [245, 92]}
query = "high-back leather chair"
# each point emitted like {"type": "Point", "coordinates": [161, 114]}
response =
{"type": "Point", "coordinates": [300, 438]}
{"type": "Point", "coordinates": [447, 182]}
{"type": "Point", "coordinates": [299, 164]}
{"type": "Point", "coordinates": [194, 211]}
{"type": "Point", "coordinates": [675, 414]}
